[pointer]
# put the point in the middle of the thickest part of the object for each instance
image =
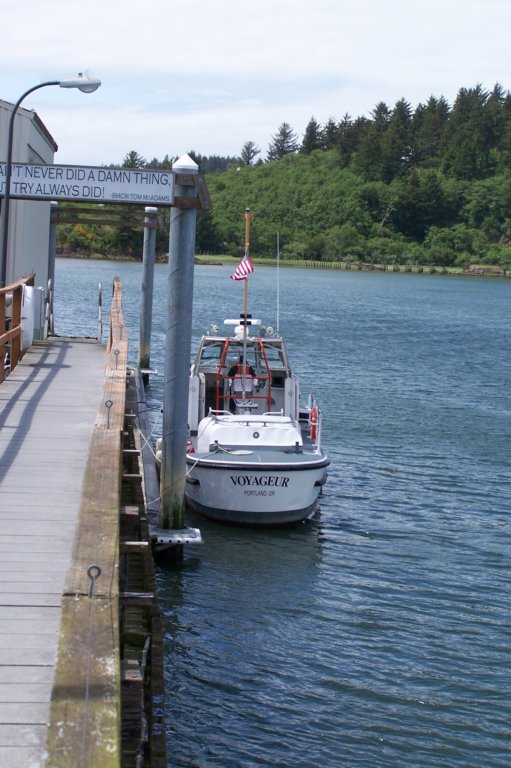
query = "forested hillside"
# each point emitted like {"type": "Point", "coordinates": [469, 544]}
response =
{"type": "Point", "coordinates": [430, 185]}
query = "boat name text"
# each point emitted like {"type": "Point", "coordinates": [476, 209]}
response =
{"type": "Point", "coordinates": [266, 480]}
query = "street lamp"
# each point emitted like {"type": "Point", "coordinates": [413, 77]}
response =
{"type": "Point", "coordinates": [83, 83]}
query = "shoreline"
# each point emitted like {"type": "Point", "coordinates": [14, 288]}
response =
{"type": "Point", "coordinates": [486, 271]}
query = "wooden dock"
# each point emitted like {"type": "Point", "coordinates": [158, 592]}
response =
{"type": "Point", "coordinates": [81, 678]}
{"type": "Point", "coordinates": [48, 406]}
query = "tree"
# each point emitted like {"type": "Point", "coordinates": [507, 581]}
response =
{"type": "Point", "coordinates": [381, 117]}
{"type": "Point", "coordinates": [133, 160]}
{"type": "Point", "coordinates": [396, 144]}
{"type": "Point", "coordinates": [249, 151]}
{"type": "Point", "coordinates": [284, 142]}
{"type": "Point", "coordinates": [422, 199]}
{"type": "Point", "coordinates": [312, 138]}
{"type": "Point", "coordinates": [206, 239]}
{"type": "Point", "coordinates": [330, 134]}
{"type": "Point", "coordinates": [369, 157]}
{"type": "Point", "coordinates": [346, 138]}
{"type": "Point", "coordinates": [429, 123]}
{"type": "Point", "coordinates": [166, 164]}
{"type": "Point", "coordinates": [468, 138]}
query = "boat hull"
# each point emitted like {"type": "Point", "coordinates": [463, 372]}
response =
{"type": "Point", "coordinates": [247, 495]}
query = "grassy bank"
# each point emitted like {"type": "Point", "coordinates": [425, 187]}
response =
{"type": "Point", "coordinates": [483, 271]}
{"type": "Point", "coordinates": [416, 269]}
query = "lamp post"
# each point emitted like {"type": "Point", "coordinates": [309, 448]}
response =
{"type": "Point", "coordinates": [83, 83]}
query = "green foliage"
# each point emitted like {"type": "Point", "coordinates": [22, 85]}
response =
{"type": "Point", "coordinates": [430, 185]}
{"type": "Point", "coordinates": [458, 244]}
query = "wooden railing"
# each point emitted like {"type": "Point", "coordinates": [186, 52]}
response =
{"type": "Point", "coordinates": [11, 298]}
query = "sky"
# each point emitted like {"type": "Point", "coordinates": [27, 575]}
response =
{"type": "Point", "coordinates": [211, 75]}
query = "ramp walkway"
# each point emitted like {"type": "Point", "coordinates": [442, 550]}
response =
{"type": "Point", "coordinates": [48, 407]}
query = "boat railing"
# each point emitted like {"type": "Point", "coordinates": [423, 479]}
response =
{"type": "Point", "coordinates": [11, 304]}
{"type": "Point", "coordinates": [270, 418]}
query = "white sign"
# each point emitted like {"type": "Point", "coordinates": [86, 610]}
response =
{"type": "Point", "coordinates": [141, 186]}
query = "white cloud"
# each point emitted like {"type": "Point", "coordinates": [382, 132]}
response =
{"type": "Point", "coordinates": [211, 75]}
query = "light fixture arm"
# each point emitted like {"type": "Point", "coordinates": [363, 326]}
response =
{"type": "Point", "coordinates": [85, 84]}
{"type": "Point", "coordinates": [8, 170]}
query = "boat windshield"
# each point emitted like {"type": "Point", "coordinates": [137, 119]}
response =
{"type": "Point", "coordinates": [273, 353]}
{"type": "Point", "coordinates": [211, 352]}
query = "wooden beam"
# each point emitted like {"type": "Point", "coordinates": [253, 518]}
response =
{"type": "Point", "coordinates": [85, 714]}
{"type": "Point", "coordinates": [85, 721]}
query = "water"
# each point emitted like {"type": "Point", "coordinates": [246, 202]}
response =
{"type": "Point", "coordinates": [378, 635]}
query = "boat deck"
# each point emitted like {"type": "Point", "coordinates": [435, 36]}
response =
{"type": "Point", "coordinates": [261, 458]}
{"type": "Point", "coordinates": [48, 407]}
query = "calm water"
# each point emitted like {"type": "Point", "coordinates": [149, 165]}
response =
{"type": "Point", "coordinates": [379, 634]}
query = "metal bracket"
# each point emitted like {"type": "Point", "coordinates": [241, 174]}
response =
{"type": "Point", "coordinates": [172, 537]}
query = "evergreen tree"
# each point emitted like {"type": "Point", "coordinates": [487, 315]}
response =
{"type": "Point", "coordinates": [429, 124]}
{"type": "Point", "coordinates": [369, 157]}
{"type": "Point", "coordinates": [133, 160]}
{"type": "Point", "coordinates": [166, 163]}
{"type": "Point", "coordinates": [381, 117]}
{"type": "Point", "coordinates": [284, 142]}
{"type": "Point", "coordinates": [504, 145]}
{"type": "Point", "coordinates": [495, 115]}
{"type": "Point", "coordinates": [467, 138]}
{"type": "Point", "coordinates": [398, 153]}
{"type": "Point", "coordinates": [249, 152]}
{"type": "Point", "coordinates": [312, 138]}
{"type": "Point", "coordinates": [346, 138]}
{"type": "Point", "coordinates": [330, 134]}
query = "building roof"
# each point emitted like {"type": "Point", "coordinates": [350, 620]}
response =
{"type": "Point", "coordinates": [32, 114]}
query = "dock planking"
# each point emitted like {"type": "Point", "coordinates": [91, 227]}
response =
{"type": "Point", "coordinates": [48, 407]}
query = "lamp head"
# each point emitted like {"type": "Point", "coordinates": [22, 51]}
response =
{"type": "Point", "coordinates": [83, 82]}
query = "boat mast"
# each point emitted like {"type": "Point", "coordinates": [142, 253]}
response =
{"type": "Point", "coordinates": [278, 281]}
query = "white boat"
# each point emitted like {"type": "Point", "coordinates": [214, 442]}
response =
{"type": "Point", "coordinates": [254, 454]}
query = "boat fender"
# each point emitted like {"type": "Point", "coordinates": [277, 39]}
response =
{"type": "Point", "coordinates": [313, 423]}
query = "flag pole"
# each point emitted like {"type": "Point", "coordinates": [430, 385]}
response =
{"type": "Point", "coordinates": [248, 218]}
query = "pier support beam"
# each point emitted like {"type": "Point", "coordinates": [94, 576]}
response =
{"type": "Point", "coordinates": [146, 307]}
{"type": "Point", "coordinates": [178, 339]}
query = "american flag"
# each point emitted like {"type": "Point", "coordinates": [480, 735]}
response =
{"type": "Point", "coordinates": [244, 268]}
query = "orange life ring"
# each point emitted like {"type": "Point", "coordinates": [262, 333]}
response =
{"type": "Point", "coordinates": [313, 423]}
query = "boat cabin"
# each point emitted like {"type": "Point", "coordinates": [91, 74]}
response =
{"type": "Point", "coordinates": [241, 374]}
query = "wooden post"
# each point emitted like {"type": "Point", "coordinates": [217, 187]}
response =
{"type": "Point", "coordinates": [178, 339]}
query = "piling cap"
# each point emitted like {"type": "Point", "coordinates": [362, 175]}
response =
{"type": "Point", "coordinates": [185, 163]}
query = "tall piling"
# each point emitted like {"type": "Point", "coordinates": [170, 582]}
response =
{"type": "Point", "coordinates": [178, 339]}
